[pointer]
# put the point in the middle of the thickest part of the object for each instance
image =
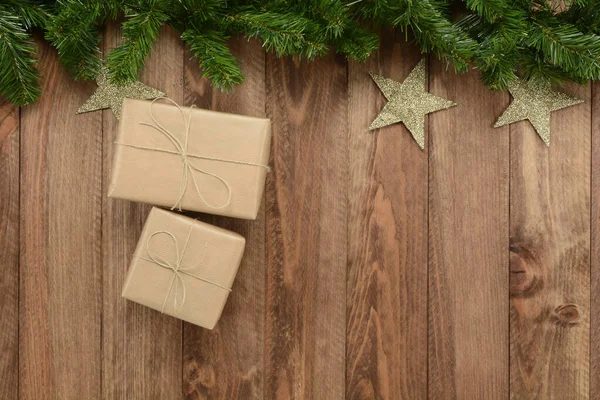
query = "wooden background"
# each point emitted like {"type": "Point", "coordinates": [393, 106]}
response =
{"type": "Point", "coordinates": [373, 271]}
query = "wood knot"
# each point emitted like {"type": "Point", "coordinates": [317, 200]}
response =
{"type": "Point", "coordinates": [207, 376]}
{"type": "Point", "coordinates": [524, 281]}
{"type": "Point", "coordinates": [201, 378]}
{"type": "Point", "coordinates": [566, 315]}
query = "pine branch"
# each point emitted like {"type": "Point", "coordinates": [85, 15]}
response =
{"type": "Point", "coordinates": [332, 13]}
{"type": "Point", "coordinates": [565, 47]}
{"type": "Point", "coordinates": [140, 31]}
{"type": "Point", "coordinates": [585, 16]}
{"type": "Point", "coordinates": [377, 10]}
{"type": "Point", "coordinates": [491, 10]}
{"type": "Point", "coordinates": [197, 12]}
{"type": "Point", "coordinates": [357, 43]}
{"type": "Point", "coordinates": [19, 79]}
{"type": "Point", "coordinates": [533, 66]}
{"type": "Point", "coordinates": [499, 26]}
{"type": "Point", "coordinates": [504, 39]}
{"type": "Point", "coordinates": [74, 34]}
{"type": "Point", "coordinates": [286, 33]}
{"type": "Point", "coordinates": [336, 26]}
{"type": "Point", "coordinates": [434, 32]}
{"type": "Point", "coordinates": [214, 57]}
{"type": "Point", "coordinates": [112, 8]}
{"type": "Point", "coordinates": [31, 13]}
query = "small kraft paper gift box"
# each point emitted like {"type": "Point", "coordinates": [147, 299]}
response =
{"type": "Point", "coordinates": [191, 159]}
{"type": "Point", "coordinates": [183, 267]}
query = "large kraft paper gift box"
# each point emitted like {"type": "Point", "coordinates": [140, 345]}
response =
{"type": "Point", "coordinates": [183, 267]}
{"type": "Point", "coordinates": [191, 159]}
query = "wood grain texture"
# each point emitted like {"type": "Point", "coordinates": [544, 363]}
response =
{"type": "Point", "coordinates": [468, 240]}
{"type": "Point", "coordinates": [373, 271]}
{"type": "Point", "coordinates": [141, 347]}
{"type": "Point", "coordinates": [9, 251]}
{"type": "Point", "coordinates": [228, 362]}
{"type": "Point", "coordinates": [386, 350]}
{"type": "Point", "coordinates": [306, 229]}
{"type": "Point", "coordinates": [595, 248]}
{"type": "Point", "coordinates": [550, 256]}
{"type": "Point", "coordinates": [61, 273]}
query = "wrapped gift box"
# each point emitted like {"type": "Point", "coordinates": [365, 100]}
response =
{"type": "Point", "coordinates": [184, 267]}
{"type": "Point", "coordinates": [191, 159]}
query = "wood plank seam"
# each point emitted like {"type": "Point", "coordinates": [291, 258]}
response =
{"type": "Point", "coordinates": [266, 249]}
{"type": "Point", "coordinates": [19, 264]}
{"type": "Point", "coordinates": [102, 205]}
{"type": "Point", "coordinates": [592, 142]}
{"type": "Point", "coordinates": [427, 255]}
{"type": "Point", "coordinates": [591, 240]}
{"type": "Point", "coordinates": [595, 265]}
{"type": "Point", "coordinates": [9, 249]}
{"type": "Point", "coordinates": [510, 127]}
{"type": "Point", "coordinates": [347, 186]}
{"type": "Point", "coordinates": [182, 338]}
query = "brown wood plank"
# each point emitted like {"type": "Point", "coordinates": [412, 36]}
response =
{"type": "Point", "coordinates": [9, 251]}
{"type": "Point", "coordinates": [386, 350]}
{"type": "Point", "coordinates": [141, 347]}
{"type": "Point", "coordinates": [227, 362]}
{"type": "Point", "coordinates": [306, 229]}
{"type": "Point", "coordinates": [595, 248]}
{"type": "Point", "coordinates": [61, 270]}
{"type": "Point", "coordinates": [550, 256]}
{"type": "Point", "coordinates": [468, 240]}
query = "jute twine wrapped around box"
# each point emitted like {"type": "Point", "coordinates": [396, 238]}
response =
{"type": "Point", "coordinates": [181, 149]}
{"type": "Point", "coordinates": [184, 267]}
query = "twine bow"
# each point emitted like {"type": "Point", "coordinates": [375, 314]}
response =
{"type": "Point", "coordinates": [177, 268]}
{"type": "Point", "coordinates": [181, 149]}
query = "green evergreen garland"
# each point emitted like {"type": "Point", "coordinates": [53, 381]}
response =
{"type": "Point", "coordinates": [502, 38]}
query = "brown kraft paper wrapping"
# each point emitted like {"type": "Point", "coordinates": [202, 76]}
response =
{"type": "Point", "coordinates": [226, 154]}
{"type": "Point", "coordinates": [183, 267]}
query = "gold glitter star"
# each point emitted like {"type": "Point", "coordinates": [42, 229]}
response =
{"type": "Point", "coordinates": [535, 100]}
{"type": "Point", "coordinates": [111, 96]}
{"type": "Point", "coordinates": [408, 102]}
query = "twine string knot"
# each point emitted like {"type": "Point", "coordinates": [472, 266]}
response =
{"type": "Point", "coordinates": [177, 268]}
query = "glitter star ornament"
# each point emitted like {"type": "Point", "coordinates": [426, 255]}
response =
{"type": "Point", "coordinates": [111, 96]}
{"type": "Point", "coordinates": [534, 100]}
{"type": "Point", "coordinates": [408, 102]}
